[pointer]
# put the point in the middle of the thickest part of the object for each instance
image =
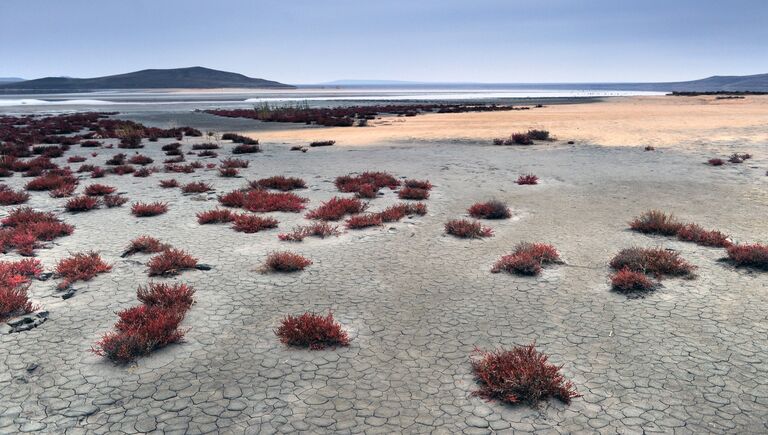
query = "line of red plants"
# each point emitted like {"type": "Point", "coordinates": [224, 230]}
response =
{"type": "Point", "coordinates": [658, 222]}
{"type": "Point", "coordinates": [316, 229]}
{"type": "Point", "coordinates": [367, 184]}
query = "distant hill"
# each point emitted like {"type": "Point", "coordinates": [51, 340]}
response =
{"type": "Point", "coordinates": [757, 82]}
{"type": "Point", "coordinates": [194, 77]}
{"type": "Point", "coordinates": [10, 79]}
{"type": "Point", "coordinates": [370, 83]}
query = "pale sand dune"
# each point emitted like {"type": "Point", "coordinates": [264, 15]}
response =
{"type": "Point", "coordinates": [623, 121]}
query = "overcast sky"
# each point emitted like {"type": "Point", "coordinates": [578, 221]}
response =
{"type": "Point", "coordinates": [312, 41]}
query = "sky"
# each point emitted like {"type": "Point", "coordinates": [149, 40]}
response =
{"type": "Point", "coordinates": [315, 41]}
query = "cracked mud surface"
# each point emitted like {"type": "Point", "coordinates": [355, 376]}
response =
{"type": "Point", "coordinates": [689, 358]}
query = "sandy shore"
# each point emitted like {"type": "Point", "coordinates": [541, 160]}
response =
{"type": "Point", "coordinates": [688, 358]}
{"type": "Point", "coordinates": [665, 121]}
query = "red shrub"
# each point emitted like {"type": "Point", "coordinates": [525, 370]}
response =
{"type": "Point", "coordinates": [81, 203]}
{"type": "Point", "coordinates": [398, 211]}
{"type": "Point", "coordinates": [467, 229]}
{"type": "Point", "coordinates": [700, 236]}
{"type": "Point", "coordinates": [14, 278]}
{"type": "Point", "coordinates": [9, 196]}
{"type": "Point", "coordinates": [364, 221]}
{"type": "Point", "coordinates": [279, 183]}
{"type": "Point", "coordinates": [418, 184]}
{"type": "Point", "coordinates": [755, 255]}
{"type": "Point", "coordinates": [24, 227]}
{"type": "Point", "coordinates": [116, 160]}
{"type": "Point", "coordinates": [171, 262]}
{"type": "Point", "coordinates": [76, 159]}
{"type": "Point", "coordinates": [527, 259]}
{"type": "Point", "coordinates": [144, 244]}
{"type": "Point", "coordinates": [313, 331]}
{"type": "Point", "coordinates": [318, 229]}
{"type": "Point", "coordinates": [139, 159]}
{"type": "Point", "coordinates": [143, 172]}
{"type": "Point", "coordinates": [336, 208]}
{"type": "Point", "coordinates": [367, 191]}
{"type": "Point", "coordinates": [140, 209]}
{"type": "Point", "coordinates": [81, 267]}
{"type": "Point", "coordinates": [122, 170]}
{"type": "Point", "coordinates": [228, 172]}
{"type": "Point", "coordinates": [167, 184]}
{"type": "Point", "coordinates": [716, 162]}
{"type": "Point", "coordinates": [520, 375]}
{"type": "Point", "coordinates": [215, 216]}
{"type": "Point", "coordinates": [63, 191]}
{"type": "Point", "coordinates": [322, 143]}
{"type": "Point", "coordinates": [656, 222]}
{"type": "Point", "coordinates": [208, 153]}
{"type": "Point", "coordinates": [248, 223]}
{"type": "Point", "coordinates": [528, 179]}
{"type": "Point", "coordinates": [235, 198]}
{"type": "Point", "coordinates": [286, 262]}
{"type": "Point", "coordinates": [164, 295]}
{"type": "Point", "coordinates": [184, 169]}
{"type": "Point", "coordinates": [51, 181]}
{"type": "Point", "coordinates": [653, 261]}
{"type": "Point", "coordinates": [264, 201]}
{"type": "Point", "coordinates": [234, 163]}
{"type": "Point", "coordinates": [99, 190]}
{"type": "Point", "coordinates": [205, 146]}
{"type": "Point", "coordinates": [98, 172]}
{"type": "Point", "coordinates": [114, 200]}
{"type": "Point", "coordinates": [245, 149]}
{"type": "Point", "coordinates": [369, 181]}
{"type": "Point", "coordinates": [521, 139]}
{"type": "Point", "coordinates": [413, 193]}
{"type": "Point", "coordinates": [629, 282]}
{"type": "Point", "coordinates": [196, 187]}
{"type": "Point", "coordinates": [489, 210]}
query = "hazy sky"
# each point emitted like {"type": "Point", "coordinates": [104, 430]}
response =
{"type": "Point", "coordinates": [311, 41]}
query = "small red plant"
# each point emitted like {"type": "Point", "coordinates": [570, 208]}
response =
{"type": "Point", "coordinates": [114, 200]}
{"type": "Point", "coordinates": [168, 184]}
{"type": "Point", "coordinates": [528, 179]}
{"type": "Point", "coordinates": [527, 259]}
{"type": "Point", "coordinates": [171, 262]}
{"type": "Point", "coordinates": [234, 163]}
{"type": "Point", "coordinates": [81, 204]}
{"type": "Point", "coordinates": [99, 190]}
{"type": "Point", "coordinates": [317, 229]}
{"type": "Point", "coordinates": [467, 229]}
{"type": "Point", "coordinates": [418, 184]}
{"type": "Point", "coordinates": [51, 181]}
{"type": "Point", "coordinates": [755, 255]}
{"type": "Point", "coordinates": [312, 331]}
{"type": "Point", "coordinates": [141, 209]}
{"type": "Point", "coordinates": [265, 201]}
{"type": "Point", "coordinates": [76, 159]}
{"type": "Point", "coordinates": [63, 191]}
{"type": "Point", "coordinates": [9, 196]}
{"type": "Point", "coordinates": [364, 221]}
{"type": "Point", "coordinates": [521, 139]}
{"type": "Point", "coordinates": [716, 162]}
{"type": "Point", "coordinates": [215, 216]}
{"type": "Point", "coordinates": [489, 210]}
{"type": "Point", "coordinates": [246, 149]}
{"type": "Point", "coordinates": [228, 172]}
{"type": "Point", "coordinates": [146, 245]}
{"type": "Point", "coordinates": [654, 261]}
{"type": "Point", "coordinates": [628, 281]}
{"type": "Point", "coordinates": [286, 262]}
{"type": "Point", "coordinates": [367, 182]}
{"type": "Point", "coordinates": [520, 375]}
{"type": "Point", "coordinates": [196, 187]}
{"type": "Point", "coordinates": [139, 159]}
{"type": "Point", "coordinates": [280, 183]}
{"type": "Point", "coordinates": [696, 234]}
{"type": "Point", "coordinates": [336, 208]}
{"type": "Point", "coordinates": [24, 227]}
{"type": "Point", "coordinates": [98, 172]}
{"type": "Point", "coordinates": [235, 198]}
{"type": "Point", "coordinates": [176, 295]}
{"type": "Point", "coordinates": [656, 222]}
{"type": "Point", "coordinates": [413, 193]}
{"type": "Point", "coordinates": [143, 172]}
{"type": "Point", "coordinates": [80, 267]}
{"type": "Point", "coordinates": [14, 279]}
{"type": "Point", "coordinates": [248, 223]}
{"type": "Point", "coordinates": [398, 211]}
{"type": "Point", "coordinates": [322, 143]}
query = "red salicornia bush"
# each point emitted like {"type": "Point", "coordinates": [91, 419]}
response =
{"type": "Point", "coordinates": [286, 262]}
{"type": "Point", "coordinates": [264, 201]}
{"type": "Point", "coordinates": [755, 255]}
{"type": "Point", "coordinates": [467, 229]}
{"type": "Point", "coordinates": [145, 245]}
{"type": "Point", "coordinates": [528, 179]}
{"type": "Point", "coordinates": [99, 190]}
{"type": "Point", "coordinates": [313, 331]}
{"type": "Point", "coordinates": [716, 162]}
{"type": "Point", "coordinates": [141, 209]}
{"type": "Point", "coordinates": [367, 183]}
{"type": "Point", "coordinates": [14, 283]}
{"type": "Point", "coordinates": [653, 261]}
{"type": "Point", "coordinates": [696, 234]}
{"type": "Point", "coordinates": [248, 223]}
{"type": "Point", "coordinates": [336, 208]}
{"type": "Point", "coordinates": [418, 184]}
{"type": "Point", "coordinates": [196, 187]}
{"type": "Point", "coordinates": [317, 229]}
{"type": "Point", "coordinates": [114, 200]}
{"type": "Point", "coordinates": [527, 259]}
{"type": "Point", "coordinates": [235, 198]}
{"type": "Point", "coordinates": [656, 222]}
{"type": "Point", "coordinates": [228, 172]}
{"type": "Point", "coordinates": [24, 227]}
{"type": "Point", "coordinates": [165, 295]}
{"type": "Point", "coordinates": [81, 204]}
{"type": "Point", "coordinates": [398, 211]}
{"type": "Point", "coordinates": [364, 221]}
{"type": "Point", "coordinates": [80, 267]}
{"type": "Point", "coordinates": [167, 184]}
{"type": "Point", "coordinates": [171, 262]}
{"type": "Point", "coordinates": [9, 196]}
{"type": "Point", "coordinates": [215, 216]}
{"type": "Point", "coordinates": [489, 210]}
{"type": "Point", "coordinates": [413, 193]}
{"type": "Point", "coordinates": [628, 281]}
{"type": "Point", "coordinates": [234, 163]}
{"type": "Point", "coordinates": [520, 375]}
{"type": "Point", "coordinates": [280, 183]}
